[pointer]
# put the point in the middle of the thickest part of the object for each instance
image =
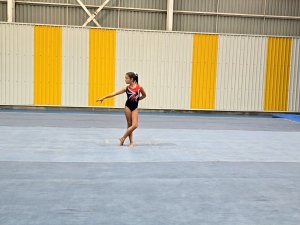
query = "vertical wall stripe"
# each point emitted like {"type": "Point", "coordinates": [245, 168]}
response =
{"type": "Point", "coordinates": [47, 65]}
{"type": "Point", "coordinates": [163, 61]}
{"type": "Point", "coordinates": [16, 64]}
{"type": "Point", "coordinates": [75, 67]}
{"type": "Point", "coordinates": [102, 65]}
{"type": "Point", "coordinates": [204, 69]}
{"type": "Point", "coordinates": [241, 73]}
{"type": "Point", "coordinates": [294, 87]}
{"type": "Point", "coordinates": [277, 74]}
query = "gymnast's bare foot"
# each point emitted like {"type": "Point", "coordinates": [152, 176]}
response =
{"type": "Point", "coordinates": [121, 139]}
{"type": "Point", "coordinates": [130, 145]}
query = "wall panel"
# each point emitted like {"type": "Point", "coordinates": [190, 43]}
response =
{"type": "Point", "coordinates": [203, 90]}
{"type": "Point", "coordinates": [163, 62]}
{"type": "Point", "coordinates": [194, 23]}
{"type": "Point", "coordinates": [16, 65]}
{"type": "Point", "coordinates": [72, 66]}
{"type": "Point", "coordinates": [47, 65]}
{"type": "Point", "coordinates": [294, 85]}
{"type": "Point", "coordinates": [282, 27]}
{"type": "Point", "coordinates": [240, 25]}
{"type": "Point", "coordinates": [196, 5]}
{"type": "Point", "coordinates": [142, 20]}
{"type": "Point", "coordinates": [277, 74]}
{"type": "Point", "coordinates": [3, 12]}
{"type": "Point", "coordinates": [102, 52]}
{"type": "Point", "coordinates": [240, 77]}
{"type": "Point", "coordinates": [75, 70]}
{"type": "Point", "coordinates": [242, 6]}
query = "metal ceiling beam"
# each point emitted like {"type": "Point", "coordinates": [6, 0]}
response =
{"type": "Point", "coordinates": [170, 12]}
{"type": "Point", "coordinates": [95, 13]}
{"type": "Point", "coordinates": [11, 11]}
{"type": "Point", "coordinates": [88, 12]}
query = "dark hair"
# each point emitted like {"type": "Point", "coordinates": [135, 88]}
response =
{"type": "Point", "coordinates": [134, 76]}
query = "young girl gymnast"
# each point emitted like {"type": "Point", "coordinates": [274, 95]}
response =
{"type": "Point", "coordinates": [133, 91]}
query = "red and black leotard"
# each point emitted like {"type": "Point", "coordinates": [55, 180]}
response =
{"type": "Point", "coordinates": [133, 95]}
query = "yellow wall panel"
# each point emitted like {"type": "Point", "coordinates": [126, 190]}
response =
{"type": "Point", "coordinates": [277, 74]}
{"type": "Point", "coordinates": [204, 71]}
{"type": "Point", "coordinates": [47, 65]}
{"type": "Point", "coordinates": [102, 66]}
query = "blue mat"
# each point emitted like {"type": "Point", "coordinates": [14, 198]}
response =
{"type": "Point", "coordinates": [292, 117]}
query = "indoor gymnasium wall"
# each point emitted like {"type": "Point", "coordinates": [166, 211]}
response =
{"type": "Point", "coordinates": [277, 74]}
{"type": "Point", "coordinates": [102, 48]}
{"type": "Point", "coordinates": [163, 61]}
{"type": "Point", "coordinates": [47, 65]}
{"type": "Point", "coordinates": [294, 85]}
{"type": "Point", "coordinates": [75, 60]}
{"type": "Point", "coordinates": [241, 70]}
{"type": "Point", "coordinates": [16, 64]}
{"type": "Point", "coordinates": [204, 71]}
{"type": "Point", "coordinates": [72, 67]}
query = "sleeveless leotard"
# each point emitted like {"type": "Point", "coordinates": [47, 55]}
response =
{"type": "Point", "coordinates": [133, 95]}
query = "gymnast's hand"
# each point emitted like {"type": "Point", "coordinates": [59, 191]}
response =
{"type": "Point", "coordinates": [100, 100]}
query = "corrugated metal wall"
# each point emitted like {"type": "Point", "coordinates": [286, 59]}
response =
{"type": "Point", "coordinates": [240, 76]}
{"type": "Point", "coordinates": [16, 65]}
{"type": "Point", "coordinates": [164, 63]}
{"type": "Point", "coordinates": [196, 5]}
{"type": "Point", "coordinates": [283, 7]}
{"type": "Point", "coordinates": [47, 65]}
{"type": "Point", "coordinates": [114, 18]}
{"type": "Point", "coordinates": [294, 85]}
{"type": "Point", "coordinates": [102, 65]}
{"type": "Point", "coordinates": [242, 6]}
{"type": "Point", "coordinates": [75, 71]}
{"type": "Point", "coordinates": [142, 20]}
{"type": "Point", "coordinates": [194, 23]}
{"type": "Point", "coordinates": [153, 4]}
{"type": "Point", "coordinates": [254, 23]}
{"type": "Point", "coordinates": [3, 12]}
{"type": "Point", "coordinates": [213, 16]}
{"type": "Point", "coordinates": [282, 27]}
{"type": "Point", "coordinates": [239, 25]}
{"type": "Point", "coordinates": [51, 1]}
{"type": "Point", "coordinates": [203, 90]}
{"type": "Point", "coordinates": [40, 14]}
{"type": "Point", "coordinates": [43, 65]}
{"type": "Point", "coordinates": [277, 74]}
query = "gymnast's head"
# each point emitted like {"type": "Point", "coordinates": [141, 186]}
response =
{"type": "Point", "coordinates": [131, 77]}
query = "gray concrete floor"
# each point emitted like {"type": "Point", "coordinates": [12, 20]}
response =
{"type": "Point", "coordinates": [67, 168]}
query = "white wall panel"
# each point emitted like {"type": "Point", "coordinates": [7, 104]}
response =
{"type": "Point", "coordinates": [16, 64]}
{"type": "Point", "coordinates": [294, 86]}
{"type": "Point", "coordinates": [240, 73]}
{"type": "Point", "coordinates": [75, 66]}
{"type": "Point", "coordinates": [163, 62]}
